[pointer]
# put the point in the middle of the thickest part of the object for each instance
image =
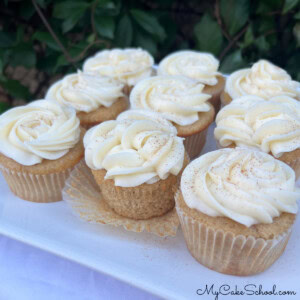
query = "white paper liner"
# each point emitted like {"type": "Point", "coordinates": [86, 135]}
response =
{"type": "Point", "coordinates": [194, 144]}
{"type": "Point", "coordinates": [36, 187]}
{"type": "Point", "coordinates": [83, 196]}
{"type": "Point", "coordinates": [225, 253]}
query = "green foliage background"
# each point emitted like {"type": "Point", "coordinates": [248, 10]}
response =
{"type": "Point", "coordinates": [55, 36]}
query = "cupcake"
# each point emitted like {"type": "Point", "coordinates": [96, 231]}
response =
{"type": "Point", "coordinates": [236, 208]}
{"type": "Point", "coordinates": [40, 143]}
{"type": "Point", "coordinates": [95, 98]}
{"type": "Point", "coordinates": [271, 126]}
{"type": "Point", "coordinates": [263, 79]}
{"type": "Point", "coordinates": [125, 65]}
{"type": "Point", "coordinates": [200, 66]}
{"type": "Point", "coordinates": [180, 100]}
{"type": "Point", "coordinates": [136, 160]}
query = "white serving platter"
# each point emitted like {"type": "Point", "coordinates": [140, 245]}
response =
{"type": "Point", "coordinates": [161, 266]}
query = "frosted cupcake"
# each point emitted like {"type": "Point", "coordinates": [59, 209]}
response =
{"type": "Point", "coordinates": [263, 79]}
{"type": "Point", "coordinates": [200, 66]}
{"type": "Point", "coordinates": [237, 208]}
{"type": "Point", "coordinates": [40, 143]}
{"type": "Point", "coordinates": [136, 161]}
{"type": "Point", "coordinates": [125, 65]}
{"type": "Point", "coordinates": [180, 100]}
{"type": "Point", "coordinates": [95, 98]}
{"type": "Point", "coordinates": [271, 126]}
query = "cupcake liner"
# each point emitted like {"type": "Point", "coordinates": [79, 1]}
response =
{"type": "Point", "coordinates": [225, 253]}
{"type": "Point", "coordinates": [83, 196]}
{"type": "Point", "coordinates": [36, 187]}
{"type": "Point", "coordinates": [194, 143]}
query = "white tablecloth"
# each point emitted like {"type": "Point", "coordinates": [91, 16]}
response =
{"type": "Point", "coordinates": [27, 273]}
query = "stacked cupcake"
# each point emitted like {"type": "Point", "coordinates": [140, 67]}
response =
{"type": "Point", "coordinates": [236, 205]}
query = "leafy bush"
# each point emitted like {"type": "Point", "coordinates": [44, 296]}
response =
{"type": "Point", "coordinates": [40, 39]}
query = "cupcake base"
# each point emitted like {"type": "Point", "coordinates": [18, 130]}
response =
{"type": "Point", "coordinates": [215, 91]}
{"type": "Point", "coordinates": [293, 160]}
{"type": "Point", "coordinates": [88, 120]}
{"type": "Point", "coordinates": [141, 202]}
{"type": "Point", "coordinates": [195, 134]}
{"type": "Point", "coordinates": [83, 196]}
{"type": "Point", "coordinates": [42, 182]}
{"type": "Point", "coordinates": [225, 98]}
{"type": "Point", "coordinates": [225, 250]}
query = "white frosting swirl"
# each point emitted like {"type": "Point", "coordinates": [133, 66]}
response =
{"type": "Point", "coordinates": [271, 126]}
{"type": "Point", "coordinates": [134, 151]}
{"type": "Point", "coordinates": [200, 66]}
{"type": "Point", "coordinates": [37, 131]}
{"type": "Point", "coordinates": [85, 91]}
{"type": "Point", "coordinates": [244, 185]}
{"type": "Point", "coordinates": [126, 65]}
{"type": "Point", "coordinates": [178, 98]}
{"type": "Point", "coordinates": [264, 80]}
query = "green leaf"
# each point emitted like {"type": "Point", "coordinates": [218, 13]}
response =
{"type": "Point", "coordinates": [297, 16]}
{"type": "Point", "coordinates": [91, 38]}
{"type": "Point", "coordinates": [15, 89]}
{"type": "Point", "coordinates": [4, 106]}
{"type": "Point", "coordinates": [105, 26]}
{"type": "Point", "coordinates": [208, 35]}
{"type": "Point", "coordinates": [288, 5]}
{"type": "Point", "coordinates": [171, 31]}
{"type": "Point", "coordinates": [235, 14]}
{"type": "Point", "coordinates": [46, 37]}
{"type": "Point", "coordinates": [41, 3]}
{"type": "Point", "coordinates": [149, 23]}
{"type": "Point", "coordinates": [293, 66]}
{"type": "Point", "coordinates": [60, 62]}
{"type": "Point", "coordinates": [23, 55]}
{"type": "Point", "coordinates": [232, 62]}
{"type": "Point", "coordinates": [265, 6]}
{"type": "Point", "coordinates": [1, 66]}
{"type": "Point", "coordinates": [6, 39]}
{"type": "Point", "coordinates": [20, 35]}
{"type": "Point", "coordinates": [66, 9]}
{"type": "Point", "coordinates": [249, 37]}
{"type": "Point", "coordinates": [71, 12]}
{"type": "Point", "coordinates": [146, 42]}
{"type": "Point", "coordinates": [26, 10]}
{"type": "Point", "coordinates": [108, 8]}
{"type": "Point", "coordinates": [124, 32]}
{"type": "Point", "coordinates": [262, 44]}
{"type": "Point", "coordinates": [70, 23]}
{"type": "Point", "coordinates": [47, 63]}
{"type": "Point", "coordinates": [296, 32]}
{"type": "Point", "coordinates": [266, 24]}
